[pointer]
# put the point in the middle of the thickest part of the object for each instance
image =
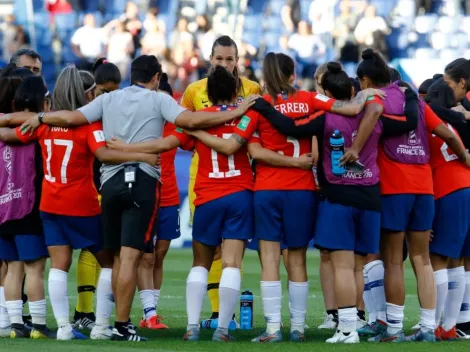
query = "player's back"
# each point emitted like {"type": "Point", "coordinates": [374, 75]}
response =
{"type": "Point", "coordinates": [218, 174]}
{"type": "Point", "coordinates": [275, 178]}
{"type": "Point", "coordinates": [68, 186]}
{"type": "Point", "coordinates": [449, 174]}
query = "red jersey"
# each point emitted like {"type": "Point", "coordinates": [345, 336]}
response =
{"type": "Point", "coordinates": [169, 192]}
{"type": "Point", "coordinates": [219, 175]}
{"type": "Point", "coordinates": [449, 174]}
{"type": "Point", "coordinates": [399, 178]}
{"type": "Point", "coordinates": [281, 178]}
{"type": "Point", "coordinates": [68, 155]}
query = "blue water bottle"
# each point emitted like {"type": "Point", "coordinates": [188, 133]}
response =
{"type": "Point", "coordinates": [337, 151]}
{"type": "Point", "coordinates": [246, 310]}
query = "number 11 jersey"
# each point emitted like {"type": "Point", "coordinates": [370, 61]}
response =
{"type": "Point", "coordinates": [269, 178]}
{"type": "Point", "coordinates": [68, 155]}
{"type": "Point", "coordinates": [219, 175]}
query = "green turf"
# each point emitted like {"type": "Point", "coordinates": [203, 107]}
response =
{"type": "Point", "coordinates": [172, 307]}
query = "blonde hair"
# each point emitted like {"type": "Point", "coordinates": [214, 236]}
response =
{"type": "Point", "coordinates": [69, 91]}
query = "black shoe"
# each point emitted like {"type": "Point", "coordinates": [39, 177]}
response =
{"type": "Point", "coordinates": [127, 335]}
{"type": "Point", "coordinates": [465, 327]}
{"type": "Point", "coordinates": [19, 331]}
{"type": "Point", "coordinates": [131, 326]}
{"type": "Point", "coordinates": [42, 332]}
{"type": "Point", "coordinates": [215, 315]}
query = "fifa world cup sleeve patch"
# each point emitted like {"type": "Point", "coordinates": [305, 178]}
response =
{"type": "Point", "coordinates": [99, 136]}
{"type": "Point", "coordinates": [322, 98]}
{"type": "Point", "coordinates": [244, 122]}
{"type": "Point", "coordinates": [179, 130]}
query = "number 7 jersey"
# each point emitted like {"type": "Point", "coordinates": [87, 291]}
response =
{"type": "Point", "coordinates": [68, 155]}
{"type": "Point", "coordinates": [219, 175]}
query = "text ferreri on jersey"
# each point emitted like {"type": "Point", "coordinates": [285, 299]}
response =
{"type": "Point", "coordinates": [299, 108]}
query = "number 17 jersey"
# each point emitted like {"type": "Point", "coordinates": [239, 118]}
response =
{"type": "Point", "coordinates": [219, 175]}
{"type": "Point", "coordinates": [68, 156]}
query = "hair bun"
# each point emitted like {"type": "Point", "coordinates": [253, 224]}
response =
{"type": "Point", "coordinates": [437, 76]}
{"type": "Point", "coordinates": [368, 54]}
{"type": "Point", "coordinates": [163, 77]}
{"type": "Point", "coordinates": [334, 67]}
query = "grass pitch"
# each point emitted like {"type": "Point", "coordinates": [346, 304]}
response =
{"type": "Point", "coordinates": [172, 308]}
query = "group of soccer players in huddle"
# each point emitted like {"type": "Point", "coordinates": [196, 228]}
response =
{"type": "Point", "coordinates": [266, 180]}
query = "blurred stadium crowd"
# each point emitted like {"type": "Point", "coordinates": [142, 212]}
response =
{"type": "Point", "coordinates": [180, 33]}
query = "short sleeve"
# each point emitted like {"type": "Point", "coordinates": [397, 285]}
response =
{"type": "Point", "coordinates": [254, 138]}
{"type": "Point", "coordinates": [77, 37]}
{"type": "Point", "coordinates": [186, 141]}
{"type": "Point", "coordinates": [168, 107]}
{"type": "Point", "coordinates": [432, 120]}
{"type": "Point", "coordinates": [248, 125]}
{"type": "Point", "coordinates": [26, 138]}
{"type": "Point", "coordinates": [321, 102]}
{"type": "Point", "coordinates": [188, 99]}
{"type": "Point", "coordinates": [95, 137]}
{"type": "Point", "coordinates": [374, 100]}
{"type": "Point", "coordinates": [93, 111]}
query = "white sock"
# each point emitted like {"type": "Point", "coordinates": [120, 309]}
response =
{"type": "Point", "coordinates": [347, 318]}
{"type": "Point", "coordinates": [464, 316]}
{"type": "Point", "coordinates": [229, 295]}
{"type": "Point", "coordinates": [147, 299]}
{"type": "Point", "coordinates": [395, 316]}
{"type": "Point", "coordinates": [196, 288]}
{"type": "Point", "coordinates": [454, 297]}
{"type": "Point", "coordinates": [441, 279]}
{"type": "Point", "coordinates": [38, 312]}
{"type": "Point", "coordinates": [15, 311]}
{"type": "Point", "coordinates": [156, 295]}
{"type": "Point", "coordinates": [375, 273]}
{"type": "Point", "coordinates": [104, 297]}
{"type": "Point", "coordinates": [369, 301]}
{"type": "Point", "coordinates": [4, 318]}
{"type": "Point", "coordinates": [427, 320]}
{"type": "Point", "coordinates": [271, 295]}
{"type": "Point", "coordinates": [59, 297]}
{"type": "Point", "coordinates": [298, 297]}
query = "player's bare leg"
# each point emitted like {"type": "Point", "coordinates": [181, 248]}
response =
{"type": "Point", "coordinates": [34, 270]}
{"type": "Point", "coordinates": [271, 290]}
{"type": "Point", "coordinates": [161, 249]}
{"type": "Point", "coordinates": [126, 283]}
{"type": "Point", "coordinates": [327, 280]}
{"type": "Point", "coordinates": [418, 246]}
{"type": "Point", "coordinates": [14, 303]}
{"type": "Point", "coordinates": [230, 283]}
{"type": "Point", "coordinates": [145, 286]}
{"type": "Point", "coordinates": [196, 287]}
{"type": "Point", "coordinates": [345, 294]}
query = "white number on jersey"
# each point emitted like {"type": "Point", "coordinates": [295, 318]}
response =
{"type": "Point", "coordinates": [296, 144]}
{"type": "Point", "coordinates": [216, 173]}
{"type": "Point", "coordinates": [65, 161]}
{"type": "Point", "coordinates": [446, 152]}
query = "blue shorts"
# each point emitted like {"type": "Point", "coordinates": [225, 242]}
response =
{"type": "Point", "coordinates": [403, 212]}
{"type": "Point", "coordinates": [451, 228]}
{"type": "Point", "coordinates": [167, 225]}
{"type": "Point", "coordinates": [229, 217]}
{"type": "Point", "coordinates": [22, 247]}
{"type": "Point", "coordinates": [285, 216]}
{"type": "Point", "coordinates": [77, 232]}
{"type": "Point", "coordinates": [347, 228]}
{"type": "Point", "coordinates": [253, 244]}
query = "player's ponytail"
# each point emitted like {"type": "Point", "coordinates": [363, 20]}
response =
{"type": "Point", "coordinates": [277, 71]}
{"type": "Point", "coordinates": [374, 67]}
{"type": "Point", "coordinates": [69, 92]}
{"type": "Point", "coordinates": [459, 69]}
{"type": "Point", "coordinates": [106, 72]}
{"type": "Point", "coordinates": [440, 94]}
{"type": "Point", "coordinates": [221, 86]}
{"type": "Point", "coordinates": [8, 87]}
{"type": "Point", "coordinates": [337, 82]}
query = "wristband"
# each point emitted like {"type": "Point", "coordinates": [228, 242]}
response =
{"type": "Point", "coordinates": [40, 117]}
